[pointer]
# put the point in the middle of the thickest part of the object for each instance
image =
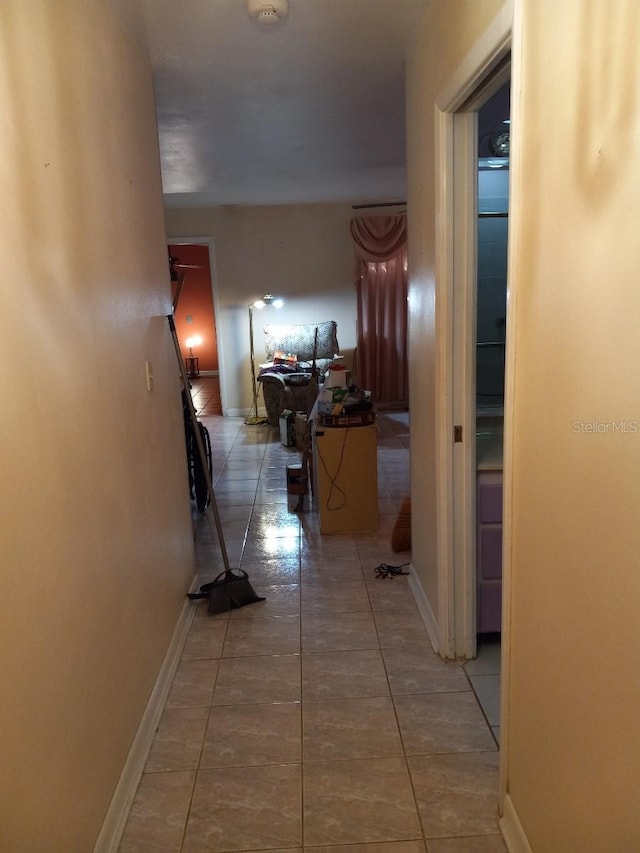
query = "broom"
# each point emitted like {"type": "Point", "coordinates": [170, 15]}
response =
{"type": "Point", "coordinates": [229, 590]}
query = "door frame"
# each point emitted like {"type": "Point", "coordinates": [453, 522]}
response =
{"type": "Point", "coordinates": [456, 118]}
{"type": "Point", "coordinates": [483, 71]}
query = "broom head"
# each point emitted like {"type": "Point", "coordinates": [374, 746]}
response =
{"type": "Point", "coordinates": [229, 591]}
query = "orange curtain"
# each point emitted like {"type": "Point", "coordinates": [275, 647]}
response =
{"type": "Point", "coordinates": [381, 284]}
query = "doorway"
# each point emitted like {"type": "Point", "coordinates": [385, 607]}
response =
{"type": "Point", "coordinates": [481, 73]}
{"type": "Point", "coordinates": [194, 298]}
{"type": "Point", "coordinates": [491, 315]}
{"type": "Point", "coordinates": [457, 261]}
{"type": "Point", "coordinates": [490, 335]}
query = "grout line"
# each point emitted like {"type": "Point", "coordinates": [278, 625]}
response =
{"type": "Point", "coordinates": [481, 706]}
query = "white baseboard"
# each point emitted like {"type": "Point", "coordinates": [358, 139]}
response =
{"type": "Point", "coordinates": [118, 811]}
{"type": "Point", "coordinates": [244, 413]}
{"type": "Point", "coordinates": [511, 828]}
{"type": "Point", "coordinates": [424, 608]}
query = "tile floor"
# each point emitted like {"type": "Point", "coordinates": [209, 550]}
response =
{"type": "Point", "coordinates": [319, 719]}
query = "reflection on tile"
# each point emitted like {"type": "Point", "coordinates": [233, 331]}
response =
{"type": "Point", "coordinates": [336, 631]}
{"type": "Point", "coordinates": [350, 728]}
{"type": "Point", "coordinates": [457, 794]}
{"type": "Point", "coordinates": [178, 741]}
{"type": "Point", "coordinates": [158, 814]}
{"type": "Point", "coordinates": [273, 495]}
{"type": "Point", "coordinates": [252, 734]}
{"type": "Point", "coordinates": [258, 550]}
{"type": "Point", "coordinates": [240, 808]}
{"type": "Point", "coordinates": [442, 722]}
{"type": "Point", "coordinates": [276, 635]}
{"type": "Point", "coordinates": [345, 674]}
{"type": "Point", "coordinates": [274, 520]}
{"type": "Point", "coordinates": [254, 680]}
{"type": "Point", "coordinates": [225, 485]}
{"type": "Point", "coordinates": [273, 570]}
{"type": "Point", "coordinates": [347, 802]}
{"type": "Point", "coordinates": [420, 670]}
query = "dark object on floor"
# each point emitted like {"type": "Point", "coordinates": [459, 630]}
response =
{"type": "Point", "coordinates": [401, 533]}
{"type": "Point", "coordinates": [228, 591]}
{"type": "Point", "coordinates": [384, 570]}
{"type": "Point", "coordinates": [197, 481]}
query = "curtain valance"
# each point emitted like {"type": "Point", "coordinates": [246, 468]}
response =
{"type": "Point", "coordinates": [379, 238]}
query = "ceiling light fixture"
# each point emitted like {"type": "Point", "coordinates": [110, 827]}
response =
{"type": "Point", "coordinates": [268, 12]}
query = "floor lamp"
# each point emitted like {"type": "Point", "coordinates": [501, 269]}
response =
{"type": "Point", "coordinates": [275, 302]}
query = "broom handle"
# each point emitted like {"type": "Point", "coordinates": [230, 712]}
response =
{"type": "Point", "coordinates": [201, 451]}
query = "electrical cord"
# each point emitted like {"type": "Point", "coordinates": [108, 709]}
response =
{"type": "Point", "coordinates": [384, 570]}
{"type": "Point", "coordinates": [332, 479]}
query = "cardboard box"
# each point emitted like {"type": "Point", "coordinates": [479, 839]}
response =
{"type": "Point", "coordinates": [288, 428]}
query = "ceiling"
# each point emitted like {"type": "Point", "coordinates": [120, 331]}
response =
{"type": "Point", "coordinates": [310, 110]}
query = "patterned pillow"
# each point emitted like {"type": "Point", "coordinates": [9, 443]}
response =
{"type": "Point", "coordinates": [299, 340]}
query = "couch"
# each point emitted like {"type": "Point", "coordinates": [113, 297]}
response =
{"type": "Point", "coordinates": [294, 386]}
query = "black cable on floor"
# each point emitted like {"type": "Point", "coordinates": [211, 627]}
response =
{"type": "Point", "coordinates": [384, 570]}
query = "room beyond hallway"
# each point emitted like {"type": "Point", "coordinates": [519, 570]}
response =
{"type": "Point", "coordinates": [205, 393]}
{"type": "Point", "coordinates": [319, 719]}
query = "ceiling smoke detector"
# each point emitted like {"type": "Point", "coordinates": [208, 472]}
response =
{"type": "Point", "coordinates": [268, 12]}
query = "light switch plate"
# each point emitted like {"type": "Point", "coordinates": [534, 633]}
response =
{"type": "Point", "coordinates": [148, 369]}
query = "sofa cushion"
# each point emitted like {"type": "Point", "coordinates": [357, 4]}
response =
{"type": "Point", "coordinates": [299, 340]}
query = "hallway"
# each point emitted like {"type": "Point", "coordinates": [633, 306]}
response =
{"type": "Point", "coordinates": [319, 719]}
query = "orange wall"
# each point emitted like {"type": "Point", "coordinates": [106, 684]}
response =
{"type": "Point", "coordinates": [196, 302]}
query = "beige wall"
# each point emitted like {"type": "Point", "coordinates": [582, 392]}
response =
{"type": "Point", "coordinates": [96, 536]}
{"type": "Point", "coordinates": [449, 31]}
{"type": "Point", "coordinates": [300, 252]}
{"type": "Point", "coordinates": [574, 692]}
{"type": "Point", "coordinates": [570, 750]}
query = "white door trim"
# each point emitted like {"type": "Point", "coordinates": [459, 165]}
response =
{"type": "Point", "coordinates": [465, 147]}
{"type": "Point", "coordinates": [444, 381]}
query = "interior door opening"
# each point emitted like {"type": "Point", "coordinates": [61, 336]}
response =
{"type": "Point", "coordinates": [195, 320]}
{"type": "Point", "coordinates": [490, 334]}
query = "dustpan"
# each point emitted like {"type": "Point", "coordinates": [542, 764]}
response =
{"type": "Point", "coordinates": [230, 589]}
